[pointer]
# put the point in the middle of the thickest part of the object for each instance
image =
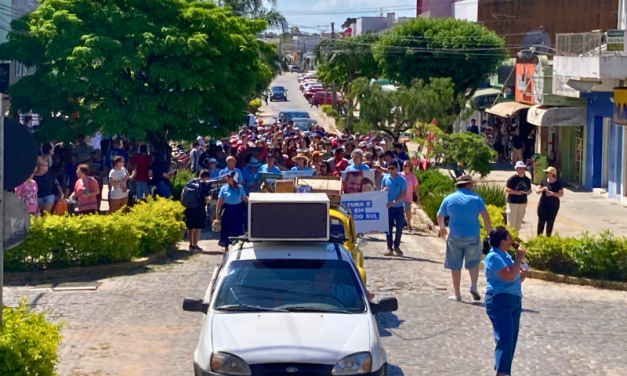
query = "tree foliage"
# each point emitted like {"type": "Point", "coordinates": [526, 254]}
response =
{"type": "Point", "coordinates": [464, 151]}
{"type": "Point", "coordinates": [396, 112]}
{"type": "Point", "coordinates": [133, 67]}
{"type": "Point", "coordinates": [422, 48]}
{"type": "Point", "coordinates": [256, 9]}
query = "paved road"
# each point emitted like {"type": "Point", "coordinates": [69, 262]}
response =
{"type": "Point", "coordinates": [296, 101]}
{"type": "Point", "coordinates": [134, 325]}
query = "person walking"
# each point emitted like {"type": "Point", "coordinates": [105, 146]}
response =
{"type": "Point", "coordinates": [140, 165]}
{"type": "Point", "coordinates": [196, 218]}
{"type": "Point", "coordinates": [230, 198]}
{"type": "Point", "coordinates": [194, 157]}
{"type": "Point", "coordinates": [518, 187]}
{"type": "Point", "coordinates": [412, 187]}
{"type": "Point", "coordinates": [503, 296]}
{"type": "Point", "coordinates": [118, 191]}
{"type": "Point", "coordinates": [551, 190]}
{"type": "Point", "coordinates": [357, 158]}
{"type": "Point", "coordinates": [464, 242]}
{"type": "Point", "coordinates": [518, 146]}
{"type": "Point", "coordinates": [396, 186]}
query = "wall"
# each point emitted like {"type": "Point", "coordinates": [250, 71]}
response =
{"type": "Point", "coordinates": [465, 10]}
{"type": "Point", "coordinates": [598, 107]}
{"type": "Point", "coordinates": [370, 23]}
{"type": "Point", "coordinates": [556, 16]}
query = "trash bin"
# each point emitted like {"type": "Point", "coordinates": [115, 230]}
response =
{"type": "Point", "coordinates": [540, 163]}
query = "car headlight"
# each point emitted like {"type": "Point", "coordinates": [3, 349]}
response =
{"type": "Point", "coordinates": [354, 364]}
{"type": "Point", "coordinates": [229, 364]}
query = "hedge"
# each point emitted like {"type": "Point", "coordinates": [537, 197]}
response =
{"type": "Point", "coordinates": [65, 241]}
{"type": "Point", "coordinates": [433, 182]}
{"type": "Point", "coordinates": [28, 343]}
{"type": "Point", "coordinates": [602, 256]}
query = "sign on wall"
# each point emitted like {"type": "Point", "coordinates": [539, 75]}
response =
{"type": "Point", "coordinates": [620, 106]}
{"type": "Point", "coordinates": [369, 210]}
{"type": "Point", "coordinates": [616, 40]}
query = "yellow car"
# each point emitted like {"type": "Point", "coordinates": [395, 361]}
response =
{"type": "Point", "coordinates": [342, 225]}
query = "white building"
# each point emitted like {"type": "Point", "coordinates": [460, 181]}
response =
{"type": "Point", "coordinates": [377, 25]}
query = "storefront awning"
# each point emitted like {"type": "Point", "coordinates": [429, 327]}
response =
{"type": "Point", "coordinates": [507, 109]}
{"type": "Point", "coordinates": [484, 98]}
{"type": "Point", "coordinates": [557, 116]}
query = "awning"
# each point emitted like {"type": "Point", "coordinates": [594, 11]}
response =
{"type": "Point", "coordinates": [507, 109]}
{"type": "Point", "coordinates": [485, 98]}
{"type": "Point", "coordinates": [557, 116]}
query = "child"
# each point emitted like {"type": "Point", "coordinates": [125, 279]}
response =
{"type": "Point", "coordinates": [28, 193]}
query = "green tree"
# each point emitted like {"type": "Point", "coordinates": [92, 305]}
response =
{"type": "Point", "coordinates": [465, 152]}
{"type": "Point", "coordinates": [256, 9]}
{"type": "Point", "coordinates": [407, 108]}
{"type": "Point", "coordinates": [341, 61]}
{"type": "Point", "coordinates": [422, 48]}
{"type": "Point", "coordinates": [139, 68]}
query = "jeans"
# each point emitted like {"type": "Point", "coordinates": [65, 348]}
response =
{"type": "Point", "coordinates": [141, 190]}
{"type": "Point", "coordinates": [396, 219]}
{"type": "Point", "coordinates": [504, 312]}
{"type": "Point", "coordinates": [460, 248]}
{"type": "Point", "coordinates": [546, 216]}
{"type": "Point", "coordinates": [515, 215]}
{"type": "Point", "coordinates": [163, 190]}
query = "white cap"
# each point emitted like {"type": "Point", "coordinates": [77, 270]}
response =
{"type": "Point", "coordinates": [520, 164]}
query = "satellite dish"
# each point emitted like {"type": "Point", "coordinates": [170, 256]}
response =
{"type": "Point", "coordinates": [539, 39]}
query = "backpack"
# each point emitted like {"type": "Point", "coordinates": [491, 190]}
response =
{"type": "Point", "coordinates": [190, 197]}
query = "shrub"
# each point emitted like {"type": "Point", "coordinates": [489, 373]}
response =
{"type": "Point", "coordinates": [253, 105]}
{"type": "Point", "coordinates": [496, 219]}
{"type": "Point", "coordinates": [492, 194]}
{"type": "Point", "coordinates": [329, 110]}
{"type": "Point", "coordinates": [28, 343]}
{"type": "Point", "coordinates": [178, 182]}
{"type": "Point", "coordinates": [431, 205]}
{"type": "Point", "coordinates": [600, 256]}
{"type": "Point", "coordinates": [64, 241]}
{"type": "Point", "coordinates": [432, 181]}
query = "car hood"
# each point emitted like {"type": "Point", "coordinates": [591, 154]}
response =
{"type": "Point", "coordinates": [291, 337]}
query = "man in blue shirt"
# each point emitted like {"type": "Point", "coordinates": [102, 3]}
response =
{"type": "Point", "coordinates": [214, 173]}
{"type": "Point", "coordinates": [464, 242]}
{"type": "Point", "coordinates": [270, 167]}
{"type": "Point", "coordinates": [396, 186]}
{"type": "Point", "coordinates": [357, 156]}
{"type": "Point", "coordinates": [230, 166]}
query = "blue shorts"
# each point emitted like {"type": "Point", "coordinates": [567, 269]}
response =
{"type": "Point", "coordinates": [459, 248]}
{"type": "Point", "coordinates": [45, 200]}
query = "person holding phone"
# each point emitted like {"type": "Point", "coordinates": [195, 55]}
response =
{"type": "Point", "coordinates": [503, 296]}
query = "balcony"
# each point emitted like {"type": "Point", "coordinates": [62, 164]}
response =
{"type": "Point", "coordinates": [593, 55]}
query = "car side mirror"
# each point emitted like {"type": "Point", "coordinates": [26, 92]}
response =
{"type": "Point", "coordinates": [385, 305]}
{"type": "Point", "coordinates": [195, 305]}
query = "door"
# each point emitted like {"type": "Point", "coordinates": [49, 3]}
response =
{"type": "Point", "coordinates": [605, 164]}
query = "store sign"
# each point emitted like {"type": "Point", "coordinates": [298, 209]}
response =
{"type": "Point", "coordinates": [557, 116]}
{"type": "Point", "coordinates": [616, 40]}
{"type": "Point", "coordinates": [560, 87]}
{"type": "Point", "coordinates": [525, 83]}
{"type": "Point", "coordinates": [560, 101]}
{"type": "Point", "coordinates": [620, 106]}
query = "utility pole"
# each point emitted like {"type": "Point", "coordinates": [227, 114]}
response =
{"type": "Point", "coordinates": [1, 205]}
{"type": "Point", "coordinates": [333, 88]}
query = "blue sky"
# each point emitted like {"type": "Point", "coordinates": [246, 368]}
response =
{"type": "Point", "coordinates": [316, 15]}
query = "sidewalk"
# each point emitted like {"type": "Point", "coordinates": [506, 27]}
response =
{"type": "Point", "coordinates": [579, 211]}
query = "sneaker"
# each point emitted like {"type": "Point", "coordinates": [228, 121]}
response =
{"type": "Point", "coordinates": [475, 294]}
{"type": "Point", "coordinates": [389, 253]}
{"type": "Point", "coordinates": [398, 251]}
{"type": "Point", "coordinates": [456, 298]}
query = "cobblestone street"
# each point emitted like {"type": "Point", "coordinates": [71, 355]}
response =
{"type": "Point", "coordinates": [134, 324]}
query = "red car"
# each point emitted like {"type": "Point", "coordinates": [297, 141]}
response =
{"type": "Point", "coordinates": [324, 97]}
{"type": "Point", "coordinates": [311, 92]}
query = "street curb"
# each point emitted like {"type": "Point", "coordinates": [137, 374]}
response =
{"type": "Point", "coordinates": [83, 271]}
{"type": "Point", "coordinates": [432, 228]}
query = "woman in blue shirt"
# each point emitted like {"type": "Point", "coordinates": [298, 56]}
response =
{"type": "Point", "coordinates": [230, 198]}
{"type": "Point", "coordinates": [301, 160]}
{"type": "Point", "coordinates": [503, 297]}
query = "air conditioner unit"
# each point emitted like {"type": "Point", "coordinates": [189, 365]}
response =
{"type": "Point", "coordinates": [288, 217]}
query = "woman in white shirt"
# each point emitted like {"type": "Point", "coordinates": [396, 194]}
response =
{"type": "Point", "coordinates": [118, 191]}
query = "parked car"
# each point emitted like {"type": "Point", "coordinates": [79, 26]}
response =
{"type": "Point", "coordinates": [286, 116]}
{"type": "Point", "coordinates": [295, 69]}
{"type": "Point", "coordinates": [324, 97]}
{"type": "Point", "coordinates": [308, 85]}
{"type": "Point", "coordinates": [278, 93]}
{"type": "Point", "coordinates": [312, 91]}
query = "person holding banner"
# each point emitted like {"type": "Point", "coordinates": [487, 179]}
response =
{"type": "Point", "coordinates": [301, 162]}
{"type": "Point", "coordinates": [358, 156]}
{"type": "Point", "coordinates": [231, 219]}
{"type": "Point", "coordinates": [396, 186]}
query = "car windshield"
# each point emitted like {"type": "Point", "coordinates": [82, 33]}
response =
{"type": "Point", "coordinates": [290, 286]}
{"type": "Point", "coordinates": [293, 115]}
{"type": "Point", "coordinates": [277, 88]}
{"type": "Point", "coordinates": [302, 125]}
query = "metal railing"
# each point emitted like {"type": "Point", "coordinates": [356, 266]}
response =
{"type": "Point", "coordinates": [581, 44]}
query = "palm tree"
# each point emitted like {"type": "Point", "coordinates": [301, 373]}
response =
{"type": "Point", "coordinates": [256, 9]}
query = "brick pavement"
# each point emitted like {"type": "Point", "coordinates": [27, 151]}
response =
{"type": "Point", "coordinates": [134, 324]}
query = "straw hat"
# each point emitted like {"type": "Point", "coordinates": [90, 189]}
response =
{"type": "Point", "coordinates": [551, 170]}
{"type": "Point", "coordinates": [301, 156]}
{"type": "Point", "coordinates": [463, 180]}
